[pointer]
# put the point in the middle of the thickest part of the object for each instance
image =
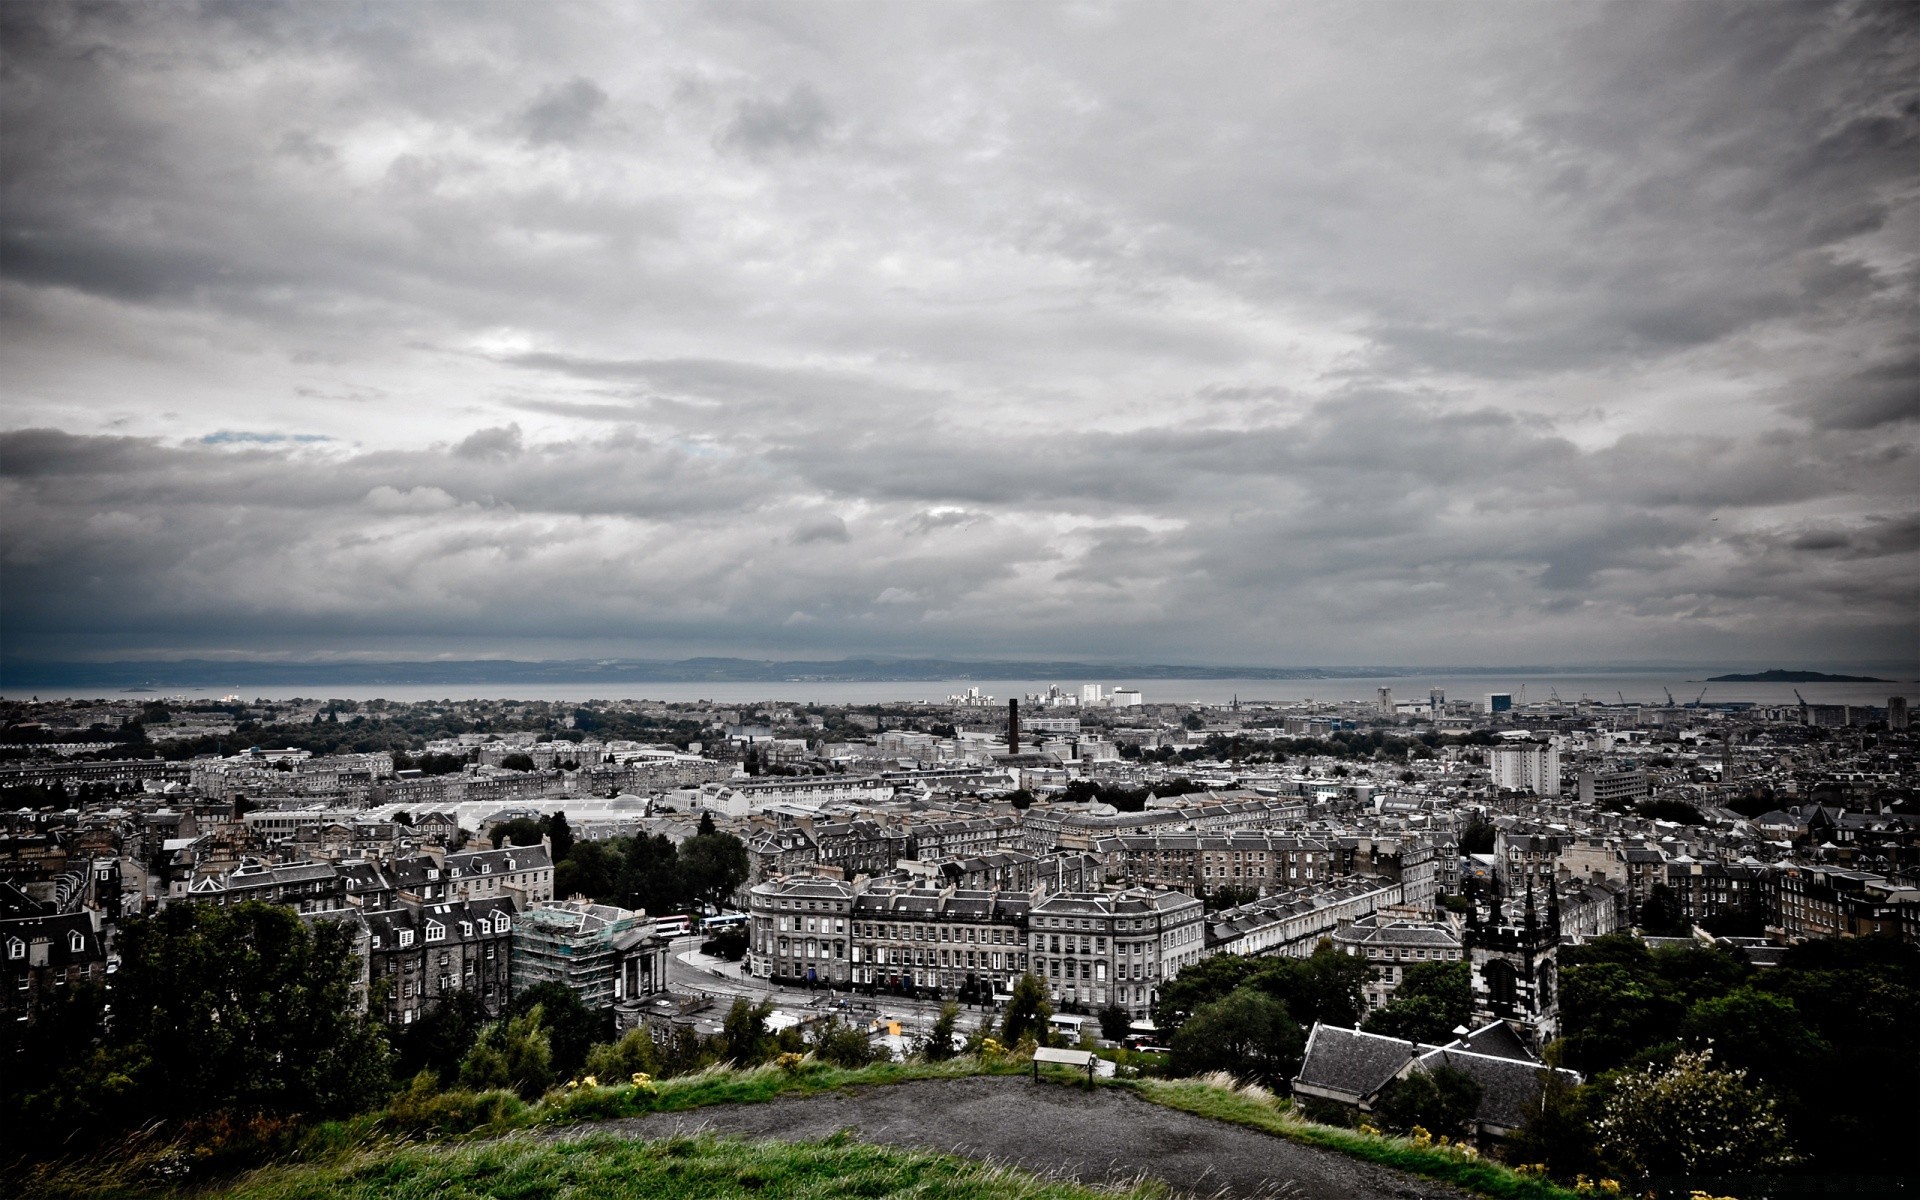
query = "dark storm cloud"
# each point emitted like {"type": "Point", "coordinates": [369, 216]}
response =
{"type": "Point", "coordinates": [1274, 332]}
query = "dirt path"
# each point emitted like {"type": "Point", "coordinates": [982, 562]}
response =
{"type": "Point", "coordinates": [1095, 1137]}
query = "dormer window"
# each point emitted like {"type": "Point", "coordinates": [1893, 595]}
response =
{"type": "Point", "coordinates": [406, 937]}
{"type": "Point", "coordinates": [466, 929]}
{"type": "Point", "coordinates": [16, 948]}
{"type": "Point", "coordinates": [435, 931]}
{"type": "Point", "coordinates": [77, 942]}
{"type": "Point", "coordinates": [500, 923]}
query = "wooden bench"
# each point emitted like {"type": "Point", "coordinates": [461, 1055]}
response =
{"type": "Point", "coordinates": [1079, 1060]}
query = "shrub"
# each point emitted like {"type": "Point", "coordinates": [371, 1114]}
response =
{"type": "Point", "coordinates": [423, 1109]}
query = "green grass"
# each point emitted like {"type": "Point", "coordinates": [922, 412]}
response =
{"type": "Point", "coordinates": [1219, 1100]}
{"type": "Point", "coordinates": [602, 1167]}
{"type": "Point", "coordinates": [380, 1155]}
{"type": "Point", "coordinates": [148, 1163]}
{"type": "Point", "coordinates": [721, 1085]}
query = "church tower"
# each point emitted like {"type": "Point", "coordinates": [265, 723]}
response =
{"type": "Point", "coordinates": [1515, 967]}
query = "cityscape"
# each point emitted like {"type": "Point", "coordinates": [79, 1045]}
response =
{"type": "Point", "coordinates": [1074, 600]}
{"type": "Point", "coordinates": [1516, 897]}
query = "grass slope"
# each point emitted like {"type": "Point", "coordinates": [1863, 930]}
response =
{"type": "Point", "coordinates": [477, 1148]}
{"type": "Point", "coordinates": [601, 1167]}
{"type": "Point", "coordinates": [1254, 1108]}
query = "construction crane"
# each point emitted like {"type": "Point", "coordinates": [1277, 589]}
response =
{"type": "Point", "coordinates": [1671, 702]}
{"type": "Point", "coordinates": [1698, 699]}
{"type": "Point", "coordinates": [1803, 707]}
{"type": "Point", "coordinates": [1553, 693]}
{"type": "Point", "coordinates": [1623, 698]}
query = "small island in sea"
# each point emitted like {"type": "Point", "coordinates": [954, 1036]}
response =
{"type": "Point", "coordinates": [1779, 676]}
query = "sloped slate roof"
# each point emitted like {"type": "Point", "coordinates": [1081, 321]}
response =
{"type": "Point", "coordinates": [1350, 1063]}
{"type": "Point", "coordinates": [1507, 1086]}
{"type": "Point", "coordinates": [1498, 1040]}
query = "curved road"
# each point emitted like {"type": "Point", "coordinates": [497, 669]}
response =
{"type": "Point", "coordinates": [1101, 1136]}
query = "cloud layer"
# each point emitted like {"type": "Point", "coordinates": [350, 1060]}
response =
{"type": "Point", "coordinates": [1277, 334]}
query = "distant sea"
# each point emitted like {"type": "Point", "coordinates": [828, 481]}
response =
{"type": "Point", "coordinates": [1637, 688]}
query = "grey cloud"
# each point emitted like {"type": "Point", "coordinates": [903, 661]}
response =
{"type": "Point", "coordinates": [825, 529]}
{"type": "Point", "coordinates": [562, 113]}
{"type": "Point", "coordinates": [1884, 394]}
{"type": "Point", "coordinates": [1257, 345]}
{"type": "Point", "coordinates": [798, 121]}
{"type": "Point", "coordinates": [491, 444]}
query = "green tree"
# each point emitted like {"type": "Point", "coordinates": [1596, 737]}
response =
{"type": "Point", "coordinates": [1028, 1012]}
{"type": "Point", "coordinates": [1477, 838]}
{"type": "Point", "coordinates": [440, 1038]}
{"type": "Point", "coordinates": [1558, 1132]}
{"type": "Point", "coordinates": [843, 1045]}
{"type": "Point", "coordinates": [1691, 1118]}
{"type": "Point", "coordinates": [1612, 1011]}
{"type": "Point", "coordinates": [1210, 979]}
{"type": "Point", "coordinates": [1660, 913]}
{"type": "Point", "coordinates": [560, 834]}
{"type": "Point", "coordinates": [1430, 1003]}
{"type": "Point", "coordinates": [521, 831]}
{"type": "Point", "coordinates": [1247, 1033]}
{"type": "Point", "coordinates": [512, 1053]}
{"type": "Point", "coordinates": [706, 827]}
{"type": "Point", "coordinates": [517, 762]}
{"type": "Point", "coordinates": [713, 867]}
{"type": "Point", "coordinates": [246, 1008]}
{"type": "Point", "coordinates": [745, 1032]}
{"type": "Point", "coordinates": [650, 876]}
{"type": "Point", "coordinates": [1442, 1101]}
{"type": "Point", "coordinates": [616, 1062]}
{"type": "Point", "coordinates": [1115, 1022]}
{"type": "Point", "coordinates": [592, 870]}
{"type": "Point", "coordinates": [938, 1046]}
{"type": "Point", "coordinates": [571, 1027]}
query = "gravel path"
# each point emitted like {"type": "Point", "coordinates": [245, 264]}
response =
{"type": "Point", "coordinates": [1095, 1137]}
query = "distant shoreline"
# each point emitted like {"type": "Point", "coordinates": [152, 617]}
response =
{"type": "Point", "coordinates": [1778, 676]}
{"type": "Point", "coordinates": [129, 675]}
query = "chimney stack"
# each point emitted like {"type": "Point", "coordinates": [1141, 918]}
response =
{"type": "Point", "coordinates": [1013, 727]}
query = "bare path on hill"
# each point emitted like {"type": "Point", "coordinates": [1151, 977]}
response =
{"type": "Point", "coordinates": [1101, 1136]}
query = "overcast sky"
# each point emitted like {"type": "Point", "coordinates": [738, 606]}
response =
{"type": "Point", "coordinates": [1285, 334]}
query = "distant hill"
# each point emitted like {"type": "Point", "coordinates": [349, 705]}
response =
{"type": "Point", "coordinates": [1779, 676]}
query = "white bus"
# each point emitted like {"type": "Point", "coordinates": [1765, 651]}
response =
{"type": "Point", "coordinates": [673, 925]}
{"type": "Point", "coordinates": [721, 922]}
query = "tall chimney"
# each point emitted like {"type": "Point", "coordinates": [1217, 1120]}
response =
{"type": "Point", "coordinates": [1013, 727]}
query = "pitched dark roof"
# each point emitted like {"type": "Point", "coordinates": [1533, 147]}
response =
{"type": "Point", "coordinates": [1508, 1087]}
{"type": "Point", "coordinates": [1352, 1064]}
{"type": "Point", "coordinates": [1497, 1039]}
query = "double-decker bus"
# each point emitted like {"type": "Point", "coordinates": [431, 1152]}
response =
{"type": "Point", "coordinates": [673, 925]}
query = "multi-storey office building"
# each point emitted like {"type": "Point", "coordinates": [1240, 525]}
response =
{"type": "Point", "coordinates": [1100, 948]}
